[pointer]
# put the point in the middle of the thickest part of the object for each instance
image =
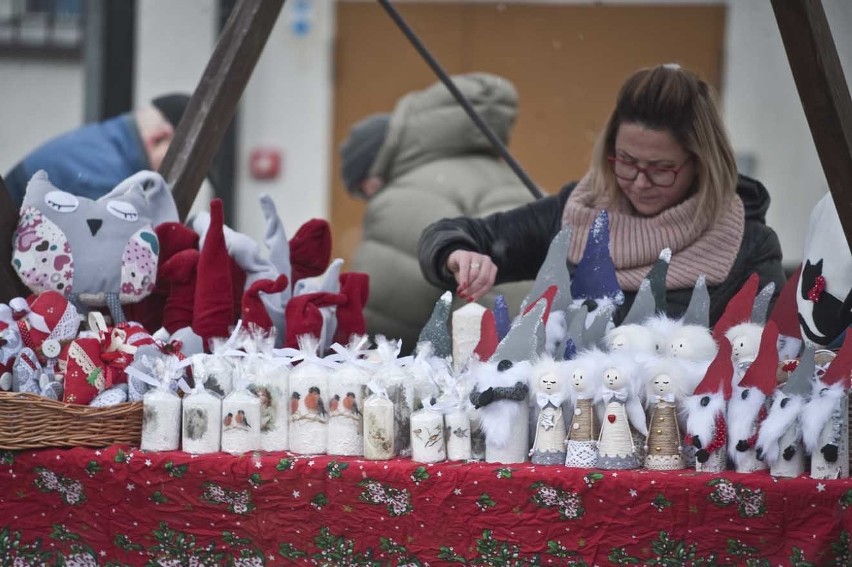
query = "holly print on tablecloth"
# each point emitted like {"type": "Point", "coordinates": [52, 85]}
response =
{"type": "Point", "coordinates": [335, 469]}
{"type": "Point", "coordinates": [750, 503]}
{"type": "Point", "coordinates": [484, 502]}
{"type": "Point", "coordinates": [568, 504]}
{"type": "Point", "coordinates": [65, 549]}
{"type": "Point", "coordinates": [398, 501]}
{"type": "Point", "coordinates": [70, 490]}
{"type": "Point", "coordinates": [237, 501]}
{"type": "Point", "coordinates": [419, 475]}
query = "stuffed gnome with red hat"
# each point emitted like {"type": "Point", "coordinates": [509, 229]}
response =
{"type": "Point", "coordinates": [750, 403]}
{"type": "Point", "coordinates": [706, 424]}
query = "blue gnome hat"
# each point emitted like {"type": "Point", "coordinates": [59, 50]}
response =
{"type": "Point", "coordinates": [554, 271]}
{"type": "Point", "coordinates": [501, 316]}
{"type": "Point", "coordinates": [576, 328]}
{"type": "Point", "coordinates": [525, 340]}
{"type": "Point", "coordinates": [594, 277]}
{"type": "Point", "coordinates": [698, 310]}
{"type": "Point", "coordinates": [570, 350]}
{"type": "Point", "coordinates": [437, 328]}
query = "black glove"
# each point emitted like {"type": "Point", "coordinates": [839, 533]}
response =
{"type": "Point", "coordinates": [485, 398]}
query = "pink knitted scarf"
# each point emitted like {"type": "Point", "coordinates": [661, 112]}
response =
{"type": "Point", "coordinates": [698, 245]}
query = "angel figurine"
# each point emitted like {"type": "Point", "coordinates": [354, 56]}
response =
{"type": "Point", "coordinates": [623, 414]}
{"type": "Point", "coordinates": [550, 386]}
{"type": "Point", "coordinates": [666, 385]}
{"type": "Point", "coordinates": [581, 446]}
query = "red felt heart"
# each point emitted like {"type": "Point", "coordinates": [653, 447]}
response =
{"type": "Point", "coordinates": [611, 417]}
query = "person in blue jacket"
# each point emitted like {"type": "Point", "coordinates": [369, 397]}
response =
{"type": "Point", "coordinates": [92, 159]}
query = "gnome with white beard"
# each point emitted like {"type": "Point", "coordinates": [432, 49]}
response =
{"type": "Point", "coordinates": [749, 404]}
{"type": "Point", "coordinates": [501, 388]}
{"type": "Point", "coordinates": [779, 443]}
{"type": "Point", "coordinates": [825, 419]}
{"type": "Point", "coordinates": [706, 424]}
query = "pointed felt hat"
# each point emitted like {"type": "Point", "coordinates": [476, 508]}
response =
{"type": "Point", "coordinates": [213, 306]}
{"type": "Point", "coordinates": [786, 311]}
{"type": "Point", "coordinates": [594, 277]}
{"type": "Point", "coordinates": [525, 340]}
{"type": "Point", "coordinates": [760, 309]}
{"type": "Point", "coordinates": [698, 310]}
{"type": "Point", "coordinates": [254, 311]}
{"type": "Point", "coordinates": [720, 373]}
{"type": "Point", "coordinates": [310, 250]}
{"type": "Point", "coordinates": [437, 328]}
{"type": "Point", "coordinates": [179, 273]}
{"type": "Point", "coordinates": [762, 373]}
{"type": "Point", "coordinates": [643, 305]}
{"type": "Point", "coordinates": [739, 308]}
{"type": "Point", "coordinates": [502, 318]}
{"type": "Point", "coordinates": [488, 336]}
{"type": "Point", "coordinates": [801, 381]}
{"type": "Point", "coordinates": [553, 272]}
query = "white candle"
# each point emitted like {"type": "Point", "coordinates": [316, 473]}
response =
{"type": "Point", "coordinates": [241, 422]}
{"type": "Point", "coordinates": [160, 421]}
{"type": "Point", "coordinates": [345, 423]}
{"type": "Point", "coordinates": [308, 401]}
{"type": "Point", "coordinates": [378, 428]}
{"type": "Point", "coordinates": [269, 381]}
{"type": "Point", "coordinates": [427, 436]}
{"type": "Point", "coordinates": [467, 322]}
{"type": "Point", "coordinates": [458, 435]}
{"type": "Point", "coordinates": [202, 422]}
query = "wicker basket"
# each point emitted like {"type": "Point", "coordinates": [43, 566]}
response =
{"type": "Point", "coordinates": [29, 421]}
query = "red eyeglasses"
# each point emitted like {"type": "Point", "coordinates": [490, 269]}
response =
{"type": "Point", "coordinates": [659, 176]}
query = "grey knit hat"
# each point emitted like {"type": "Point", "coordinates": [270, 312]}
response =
{"type": "Point", "coordinates": [359, 150]}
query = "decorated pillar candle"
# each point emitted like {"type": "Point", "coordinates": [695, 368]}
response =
{"type": "Point", "coordinates": [399, 385]}
{"type": "Point", "coordinates": [346, 417]}
{"type": "Point", "coordinates": [160, 420]}
{"type": "Point", "coordinates": [457, 424]}
{"type": "Point", "coordinates": [202, 422]}
{"type": "Point", "coordinates": [309, 408]}
{"type": "Point", "coordinates": [427, 436]}
{"type": "Point", "coordinates": [378, 427]}
{"type": "Point", "coordinates": [269, 381]}
{"type": "Point", "coordinates": [240, 422]}
{"type": "Point", "coordinates": [477, 435]}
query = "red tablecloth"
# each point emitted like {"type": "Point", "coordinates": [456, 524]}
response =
{"type": "Point", "coordinates": [121, 506]}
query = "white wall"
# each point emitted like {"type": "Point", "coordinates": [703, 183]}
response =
{"type": "Point", "coordinates": [38, 100]}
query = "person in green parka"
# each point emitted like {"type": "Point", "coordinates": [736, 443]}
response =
{"type": "Point", "coordinates": [425, 161]}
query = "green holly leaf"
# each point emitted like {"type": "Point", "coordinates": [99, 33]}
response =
{"type": "Point", "coordinates": [234, 540]}
{"type": "Point", "coordinates": [92, 378]}
{"type": "Point", "coordinates": [335, 469]}
{"type": "Point", "coordinates": [92, 468]}
{"type": "Point", "coordinates": [285, 464]}
{"type": "Point", "coordinates": [419, 475]}
{"type": "Point", "coordinates": [484, 502]}
{"type": "Point", "coordinates": [504, 473]}
{"type": "Point", "coordinates": [288, 551]}
{"type": "Point", "coordinates": [592, 478]}
{"type": "Point", "coordinates": [176, 471]}
{"type": "Point", "coordinates": [661, 503]}
{"type": "Point", "coordinates": [255, 480]}
{"type": "Point", "coordinates": [319, 501]}
{"type": "Point", "coordinates": [447, 554]}
{"type": "Point", "coordinates": [121, 456]}
{"type": "Point", "coordinates": [7, 458]}
{"type": "Point", "coordinates": [158, 498]}
{"type": "Point", "coordinates": [61, 533]}
{"type": "Point", "coordinates": [846, 499]}
{"type": "Point", "coordinates": [123, 542]}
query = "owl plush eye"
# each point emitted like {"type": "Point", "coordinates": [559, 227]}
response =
{"type": "Point", "coordinates": [61, 202]}
{"type": "Point", "coordinates": [123, 210]}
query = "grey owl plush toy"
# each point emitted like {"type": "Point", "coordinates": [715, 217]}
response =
{"type": "Point", "coordinates": [96, 253]}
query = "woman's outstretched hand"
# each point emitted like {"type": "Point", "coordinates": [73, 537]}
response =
{"type": "Point", "coordinates": [475, 273]}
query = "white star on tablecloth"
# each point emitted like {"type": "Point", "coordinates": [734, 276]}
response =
{"type": "Point", "coordinates": [820, 487]}
{"type": "Point", "coordinates": [296, 494]}
{"type": "Point", "coordinates": [633, 493]}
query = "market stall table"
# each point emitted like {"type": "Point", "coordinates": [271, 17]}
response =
{"type": "Point", "coordinates": [122, 506]}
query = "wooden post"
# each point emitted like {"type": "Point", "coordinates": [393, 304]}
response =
{"type": "Point", "coordinates": [10, 284]}
{"type": "Point", "coordinates": [214, 101]}
{"type": "Point", "coordinates": [824, 93]}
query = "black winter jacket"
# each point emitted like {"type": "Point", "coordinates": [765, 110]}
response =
{"type": "Point", "coordinates": [517, 242]}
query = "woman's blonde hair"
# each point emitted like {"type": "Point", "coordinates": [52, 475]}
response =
{"type": "Point", "coordinates": [668, 97]}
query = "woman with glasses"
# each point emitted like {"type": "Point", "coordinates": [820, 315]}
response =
{"type": "Point", "coordinates": [664, 170]}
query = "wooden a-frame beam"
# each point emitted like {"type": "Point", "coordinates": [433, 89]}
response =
{"type": "Point", "coordinates": [825, 96]}
{"type": "Point", "coordinates": [214, 101]}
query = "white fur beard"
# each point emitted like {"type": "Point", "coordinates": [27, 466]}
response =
{"type": "Point", "coordinates": [816, 414]}
{"type": "Point", "coordinates": [742, 415]}
{"type": "Point", "coordinates": [498, 419]}
{"type": "Point", "coordinates": [701, 420]}
{"type": "Point", "coordinates": [777, 421]}
{"type": "Point", "coordinates": [487, 375]}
